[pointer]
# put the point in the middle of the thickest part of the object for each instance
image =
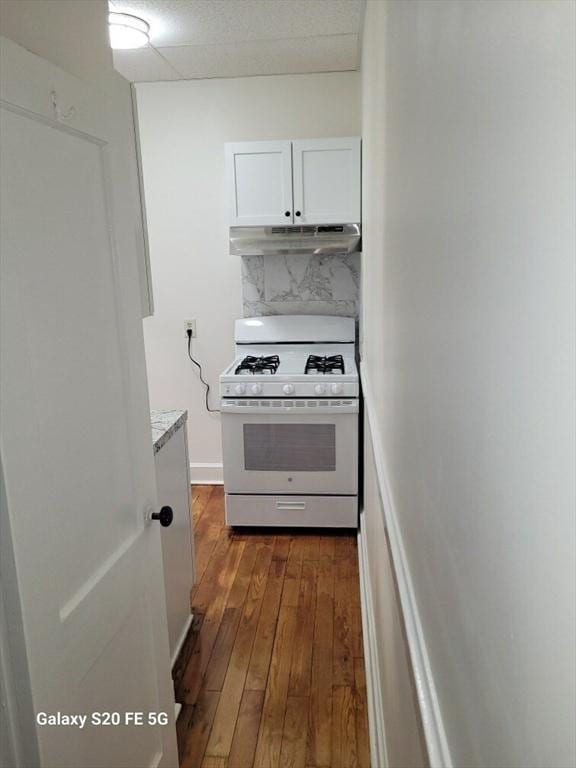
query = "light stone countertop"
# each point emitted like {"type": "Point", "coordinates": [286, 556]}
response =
{"type": "Point", "coordinates": [164, 425]}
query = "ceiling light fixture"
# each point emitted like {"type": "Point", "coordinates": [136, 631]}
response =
{"type": "Point", "coordinates": [127, 31]}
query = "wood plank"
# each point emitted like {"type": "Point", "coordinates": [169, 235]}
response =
{"type": "Point", "coordinates": [195, 512]}
{"type": "Point", "coordinates": [326, 547]}
{"type": "Point", "coordinates": [217, 573]}
{"type": "Point", "coordinates": [208, 505]}
{"type": "Point", "coordinates": [215, 762]}
{"type": "Point", "coordinates": [222, 650]}
{"type": "Point", "coordinates": [207, 537]}
{"type": "Point", "coordinates": [347, 571]}
{"type": "Point", "coordinates": [281, 547]}
{"type": "Point", "coordinates": [344, 753]}
{"type": "Point", "coordinates": [361, 714]}
{"type": "Point", "coordinates": [272, 722]}
{"type": "Point", "coordinates": [209, 509]}
{"type": "Point", "coordinates": [202, 560]}
{"type": "Point", "coordinates": [262, 651]}
{"type": "Point", "coordinates": [200, 495]}
{"type": "Point", "coordinates": [181, 664]}
{"type": "Point", "coordinates": [291, 591]}
{"type": "Point", "coordinates": [343, 659]}
{"type": "Point", "coordinates": [301, 668]}
{"type": "Point", "coordinates": [346, 567]}
{"type": "Point", "coordinates": [253, 535]}
{"type": "Point", "coordinates": [344, 545]}
{"type": "Point", "coordinates": [198, 663]}
{"type": "Point", "coordinates": [293, 751]}
{"type": "Point", "coordinates": [356, 618]}
{"type": "Point", "coordinates": [311, 548]}
{"type": "Point", "coordinates": [207, 531]}
{"type": "Point", "coordinates": [246, 731]}
{"type": "Point", "coordinates": [220, 741]}
{"type": "Point", "coordinates": [319, 749]}
{"type": "Point", "coordinates": [228, 628]}
{"type": "Point", "coordinates": [193, 728]}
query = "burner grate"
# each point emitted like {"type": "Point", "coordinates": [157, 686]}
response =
{"type": "Point", "coordinates": [267, 364]}
{"type": "Point", "coordinates": [331, 364]}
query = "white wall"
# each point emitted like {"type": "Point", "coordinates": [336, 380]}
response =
{"type": "Point", "coordinates": [183, 128]}
{"type": "Point", "coordinates": [469, 323]}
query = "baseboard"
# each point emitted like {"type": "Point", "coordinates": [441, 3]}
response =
{"type": "Point", "coordinates": [431, 715]}
{"type": "Point", "coordinates": [378, 756]}
{"type": "Point", "coordinates": [206, 474]}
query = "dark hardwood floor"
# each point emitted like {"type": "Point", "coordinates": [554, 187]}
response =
{"type": "Point", "coordinates": [273, 671]}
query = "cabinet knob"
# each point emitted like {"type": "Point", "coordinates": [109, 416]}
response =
{"type": "Point", "coordinates": [287, 213]}
{"type": "Point", "coordinates": [165, 516]}
{"type": "Point", "coordinates": [298, 213]}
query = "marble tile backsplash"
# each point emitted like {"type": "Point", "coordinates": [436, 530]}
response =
{"type": "Point", "coordinates": [301, 285]}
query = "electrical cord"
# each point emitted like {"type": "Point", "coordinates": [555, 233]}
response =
{"type": "Point", "coordinates": [197, 364]}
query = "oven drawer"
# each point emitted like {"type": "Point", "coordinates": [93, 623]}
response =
{"type": "Point", "coordinates": [292, 511]}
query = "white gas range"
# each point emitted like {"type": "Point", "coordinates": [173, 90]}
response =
{"type": "Point", "coordinates": [289, 406]}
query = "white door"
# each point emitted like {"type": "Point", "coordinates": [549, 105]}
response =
{"type": "Point", "coordinates": [75, 431]}
{"type": "Point", "coordinates": [326, 181]}
{"type": "Point", "coordinates": [259, 175]}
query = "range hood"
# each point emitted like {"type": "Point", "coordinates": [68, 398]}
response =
{"type": "Point", "coordinates": [319, 239]}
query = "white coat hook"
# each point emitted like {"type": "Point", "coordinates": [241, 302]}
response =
{"type": "Point", "coordinates": [61, 116]}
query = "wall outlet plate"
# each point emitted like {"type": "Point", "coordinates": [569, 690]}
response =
{"type": "Point", "coordinates": [190, 325]}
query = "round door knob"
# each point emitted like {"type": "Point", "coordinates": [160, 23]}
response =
{"type": "Point", "coordinates": [165, 516]}
{"type": "Point", "coordinates": [287, 213]}
{"type": "Point", "coordinates": [320, 389]}
{"type": "Point", "coordinates": [256, 389]}
{"type": "Point", "coordinates": [288, 389]}
{"type": "Point", "coordinates": [240, 389]}
{"type": "Point", "coordinates": [298, 213]}
{"type": "Point", "coordinates": [336, 389]}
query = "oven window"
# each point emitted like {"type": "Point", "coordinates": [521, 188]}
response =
{"type": "Point", "coordinates": [290, 447]}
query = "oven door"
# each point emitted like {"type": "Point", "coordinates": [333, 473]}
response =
{"type": "Point", "coordinates": [290, 446]}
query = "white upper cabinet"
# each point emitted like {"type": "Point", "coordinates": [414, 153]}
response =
{"type": "Point", "coordinates": [312, 181]}
{"type": "Point", "coordinates": [260, 178]}
{"type": "Point", "coordinates": [326, 175]}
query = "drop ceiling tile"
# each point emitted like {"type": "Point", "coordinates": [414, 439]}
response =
{"type": "Point", "coordinates": [143, 65]}
{"type": "Point", "coordinates": [177, 22]}
{"type": "Point", "coordinates": [330, 53]}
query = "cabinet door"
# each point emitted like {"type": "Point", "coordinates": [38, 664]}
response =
{"type": "Point", "coordinates": [173, 483]}
{"type": "Point", "coordinates": [326, 181]}
{"type": "Point", "coordinates": [260, 182]}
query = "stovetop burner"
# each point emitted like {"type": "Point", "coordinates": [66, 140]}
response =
{"type": "Point", "coordinates": [331, 364]}
{"type": "Point", "coordinates": [267, 364]}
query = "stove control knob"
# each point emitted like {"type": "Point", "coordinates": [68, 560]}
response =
{"type": "Point", "coordinates": [256, 389]}
{"type": "Point", "coordinates": [320, 389]}
{"type": "Point", "coordinates": [288, 389]}
{"type": "Point", "coordinates": [336, 389]}
{"type": "Point", "coordinates": [240, 389]}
